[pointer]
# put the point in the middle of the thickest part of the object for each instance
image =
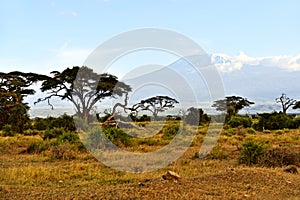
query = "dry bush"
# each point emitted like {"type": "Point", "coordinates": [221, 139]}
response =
{"type": "Point", "coordinates": [62, 152]}
{"type": "Point", "coordinates": [278, 157]}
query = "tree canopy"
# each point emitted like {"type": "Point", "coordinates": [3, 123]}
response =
{"type": "Point", "coordinates": [83, 91]}
{"type": "Point", "coordinates": [14, 86]}
{"type": "Point", "coordinates": [154, 105]}
{"type": "Point", "coordinates": [232, 105]}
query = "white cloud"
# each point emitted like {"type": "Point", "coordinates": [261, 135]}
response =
{"type": "Point", "coordinates": [66, 13]}
{"type": "Point", "coordinates": [74, 14]}
{"type": "Point", "coordinates": [227, 63]}
{"type": "Point", "coordinates": [66, 56]}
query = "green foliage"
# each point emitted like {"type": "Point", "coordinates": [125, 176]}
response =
{"type": "Point", "coordinates": [231, 105]}
{"type": "Point", "coordinates": [65, 122]}
{"type": "Point", "coordinates": [53, 133]}
{"type": "Point", "coordinates": [154, 105]}
{"type": "Point", "coordinates": [218, 153]}
{"type": "Point", "coordinates": [70, 137]}
{"type": "Point", "coordinates": [250, 153]}
{"type": "Point", "coordinates": [229, 132]}
{"type": "Point", "coordinates": [170, 129]}
{"type": "Point", "coordinates": [117, 136]}
{"type": "Point", "coordinates": [30, 132]}
{"type": "Point", "coordinates": [275, 121]}
{"type": "Point", "coordinates": [236, 121]}
{"type": "Point", "coordinates": [251, 130]}
{"type": "Point", "coordinates": [41, 124]}
{"type": "Point", "coordinates": [14, 86]}
{"type": "Point", "coordinates": [278, 157]}
{"type": "Point", "coordinates": [18, 117]}
{"type": "Point", "coordinates": [8, 130]}
{"type": "Point", "coordinates": [75, 84]}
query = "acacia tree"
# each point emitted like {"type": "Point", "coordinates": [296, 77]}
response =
{"type": "Point", "coordinates": [154, 105]}
{"type": "Point", "coordinates": [83, 91]}
{"type": "Point", "coordinates": [286, 102]}
{"type": "Point", "coordinates": [14, 87]}
{"type": "Point", "coordinates": [297, 105]}
{"type": "Point", "coordinates": [231, 105]}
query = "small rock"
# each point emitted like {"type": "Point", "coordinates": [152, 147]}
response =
{"type": "Point", "coordinates": [170, 175]}
{"type": "Point", "coordinates": [141, 184]}
{"type": "Point", "coordinates": [60, 181]}
{"type": "Point", "coordinates": [291, 169]}
{"type": "Point", "coordinates": [289, 182]}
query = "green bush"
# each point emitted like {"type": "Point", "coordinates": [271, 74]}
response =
{"type": "Point", "coordinates": [30, 132]}
{"type": "Point", "coordinates": [236, 121]}
{"type": "Point", "coordinates": [38, 147]}
{"type": "Point", "coordinates": [229, 132]}
{"type": "Point", "coordinates": [218, 153]}
{"type": "Point", "coordinates": [250, 153]}
{"type": "Point", "coordinates": [65, 121]}
{"type": "Point", "coordinates": [70, 137]}
{"type": "Point", "coordinates": [41, 124]}
{"type": "Point", "coordinates": [251, 131]}
{"type": "Point", "coordinates": [8, 130]}
{"type": "Point", "coordinates": [278, 157]}
{"type": "Point", "coordinates": [169, 131]}
{"type": "Point", "coordinates": [53, 133]}
{"type": "Point", "coordinates": [275, 121]}
{"type": "Point", "coordinates": [117, 135]}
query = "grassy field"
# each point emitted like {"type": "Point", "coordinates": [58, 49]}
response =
{"type": "Point", "coordinates": [77, 175]}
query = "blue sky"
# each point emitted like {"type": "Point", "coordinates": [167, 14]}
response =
{"type": "Point", "coordinates": [46, 35]}
{"type": "Point", "coordinates": [248, 40]}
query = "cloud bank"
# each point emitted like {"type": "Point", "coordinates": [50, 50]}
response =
{"type": "Point", "coordinates": [226, 63]}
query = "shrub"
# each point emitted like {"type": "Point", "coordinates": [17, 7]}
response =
{"type": "Point", "coordinates": [65, 121]}
{"type": "Point", "coordinates": [236, 121]}
{"type": "Point", "coordinates": [70, 137]}
{"type": "Point", "coordinates": [40, 124]}
{"type": "Point", "coordinates": [229, 132]}
{"type": "Point", "coordinates": [30, 132]}
{"type": "Point", "coordinates": [250, 153]}
{"type": "Point", "coordinates": [251, 131]}
{"type": "Point", "coordinates": [169, 131]}
{"type": "Point", "coordinates": [62, 152]}
{"type": "Point", "coordinates": [117, 135]}
{"type": "Point", "coordinates": [274, 121]}
{"type": "Point", "coordinates": [8, 130]}
{"type": "Point", "coordinates": [37, 147]}
{"type": "Point", "coordinates": [218, 153]}
{"type": "Point", "coordinates": [296, 122]}
{"type": "Point", "coordinates": [278, 157]}
{"type": "Point", "coordinates": [53, 133]}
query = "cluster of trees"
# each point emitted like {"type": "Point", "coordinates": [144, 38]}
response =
{"type": "Point", "coordinates": [83, 91]}
{"type": "Point", "coordinates": [266, 121]}
{"type": "Point", "coordinates": [89, 88]}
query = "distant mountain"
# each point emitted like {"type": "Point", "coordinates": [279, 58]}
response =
{"type": "Point", "coordinates": [181, 80]}
{"type": "Point", "coordinates": [258, 83]}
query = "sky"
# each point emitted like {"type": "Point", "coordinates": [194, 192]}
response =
{"type": "Point", "coordinates": [48, 35]}
{"type": "Point", "coordinates": [42, 36]}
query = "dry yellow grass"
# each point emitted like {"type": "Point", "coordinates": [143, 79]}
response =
{"type": "Point", "coordinates": [29, 176]}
